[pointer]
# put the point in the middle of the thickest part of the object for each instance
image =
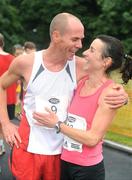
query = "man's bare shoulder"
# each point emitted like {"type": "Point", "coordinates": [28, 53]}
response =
{"type": "Point", "coordinates": [22, 65]}
{"type": "Point", "coordinates": [25, 58]}
{"type": "Point", "coordinates": [23, 61]}
{"type": "Point", "coordinates": [80, 67]}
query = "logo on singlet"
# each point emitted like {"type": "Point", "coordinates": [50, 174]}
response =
{"type": "Point", "coordinates": [54, 100]}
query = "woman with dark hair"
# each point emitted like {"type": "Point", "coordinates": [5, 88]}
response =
{"type": "Point", "coordinates": [88, 115]}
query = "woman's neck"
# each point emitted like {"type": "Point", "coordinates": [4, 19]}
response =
{"type": "Point", "coordinates": [93, 83]}
{"type": "Point", "coordinates": [96, 80]}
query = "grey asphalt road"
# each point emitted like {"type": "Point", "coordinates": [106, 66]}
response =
{"type": "Point", "coordinates": [118, 164]}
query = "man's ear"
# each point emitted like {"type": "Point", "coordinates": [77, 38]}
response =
{"type": "Point", "coordinates": [56, 36]}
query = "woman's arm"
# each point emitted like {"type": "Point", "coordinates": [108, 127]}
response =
{"type": "Point", "coordinates": [102, 119]}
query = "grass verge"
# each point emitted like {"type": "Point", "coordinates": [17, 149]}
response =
{"type": "Point", "coordinates": [118, 138]}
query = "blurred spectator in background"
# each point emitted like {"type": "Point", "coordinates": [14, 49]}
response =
{"type": "Point", "coordinates": [5, 61]}
{"type": "Point", "coordinates": [29, 47]}
{"type": "Point", "coordinates": [18, 50]}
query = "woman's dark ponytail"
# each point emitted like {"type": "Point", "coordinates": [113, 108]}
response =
{"type": "Point", "coordinates": [126, 69]}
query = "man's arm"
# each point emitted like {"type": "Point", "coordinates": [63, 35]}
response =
{"type": "Point", "coordinates": [116, 96]}
{"type": "Point", "coordinates": [9, 129]}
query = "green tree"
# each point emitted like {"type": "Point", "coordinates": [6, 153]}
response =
{"type": "Point", "coordinates": [38, 16]}
{"type": "Point", "coordinates": [23, 20]}
{"type": "Point", "coordinates": [10, 23]}
{"type": "Point", "coordinates": [114, 18]}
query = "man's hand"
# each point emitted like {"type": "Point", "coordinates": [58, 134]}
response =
{"type": "Point", "coordinates": [11, 134]}
{"type": "Point", "coordinates": [115, 96]}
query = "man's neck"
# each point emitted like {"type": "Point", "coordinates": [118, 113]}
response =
{"type": "Point", "coordinates": [53, 60]}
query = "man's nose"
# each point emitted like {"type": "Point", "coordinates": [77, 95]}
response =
{"type": "Point", "coordinates": [79, 44]}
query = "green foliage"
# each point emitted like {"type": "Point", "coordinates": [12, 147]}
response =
{"type": "Point", "coordinates": [10, 22]}
{"type": "Point", "coordinates": [115, 19]}
{"type": "Point", "coordinates": [23, 20]}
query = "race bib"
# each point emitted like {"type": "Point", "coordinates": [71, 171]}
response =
{"type": "Point", "coordinates": [57, 104]}
{"type": "Point", "coordinates": [76, 122]}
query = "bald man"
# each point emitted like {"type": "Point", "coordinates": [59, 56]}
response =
{"type": "Point", "coordinates": [49, 77]}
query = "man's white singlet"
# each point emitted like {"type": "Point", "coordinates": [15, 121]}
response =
{"type": "Point", "coordinates": [48, 89]}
